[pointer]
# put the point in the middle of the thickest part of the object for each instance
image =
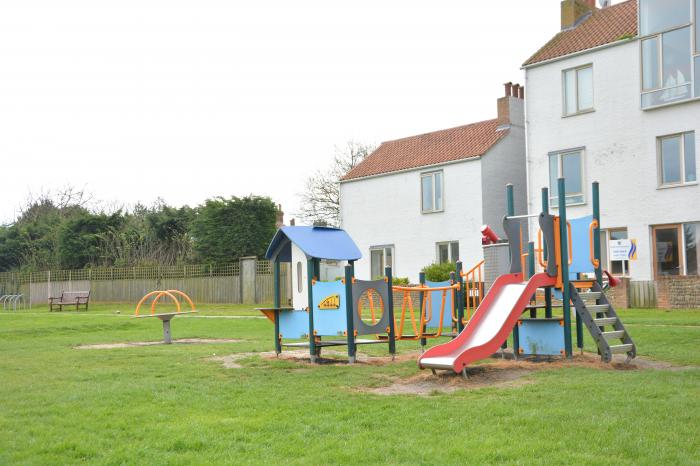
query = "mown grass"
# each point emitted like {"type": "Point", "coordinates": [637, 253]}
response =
{"type": "Point", "coordinates": [173, 405]}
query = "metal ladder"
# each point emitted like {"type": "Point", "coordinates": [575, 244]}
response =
{"type": "Point", "coordinates": [600, 315]}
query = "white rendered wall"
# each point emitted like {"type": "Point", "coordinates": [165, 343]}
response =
{"type": "Point", "coordinates": [387, 210]}
{"type": "Point", "coordinates": [620, 142]}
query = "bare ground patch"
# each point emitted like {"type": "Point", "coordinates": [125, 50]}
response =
{"type": "Point", "coordinates": [181, 341]}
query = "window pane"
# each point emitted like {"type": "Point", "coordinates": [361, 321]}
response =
{"type": "Point", "coordinates": [689, 156]}
{"type": "Point", "coordinates": [671, 160]}
{"type": "Point", "coordinates": [553, 175]}
{"type": "Point", "coordinates": [650, 64]}
{"type": "Point", "coordinates": [388, 252]}
{"type": "Point", "coordinates": [438, 191]}
{"type": "Point", "coordinates": [427, 189]}
{"type": "Point", "coordinates": [697, 33]}
{"type": "Point", "coordinates": [585, 88]}
{"type": "Point", "coordinates": [676, 57]}
{"type": "Point", "coordinates": [667, 251]}
{"type": "Point", "coordinates": [697, 69]}
{"type": "Point", "coordinates": [442, 253]}
{"type": "Point", "coordinates": [665, 96]}
{"type": "Point", "coordinates": [377, 260]}
{"type": "Point", "coordinates": [660, 15]}
{"type": "Point", "coordinates": [454, 251]}
{"type": "Point", "coordinates": [572, 173]}
{"type": "Point", "coordinates": [299, 277]}
{"type": "Point", "coordinates": [692, 247]}
{"type": "Point", "coordinates": [570, 92]}
{"type": "Point", "coordinates": [618, 234]}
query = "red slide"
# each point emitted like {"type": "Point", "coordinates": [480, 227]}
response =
{"type": "Point", "coordinates": [490, 326]}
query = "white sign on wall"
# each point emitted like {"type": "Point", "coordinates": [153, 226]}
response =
{"type": "Point", "coordinates": [622, 249]}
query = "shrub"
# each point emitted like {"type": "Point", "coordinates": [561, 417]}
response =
{"type": "Point", "coordinates": [400, 281]}
{"type": "Point", "coordinates": [438, 272]}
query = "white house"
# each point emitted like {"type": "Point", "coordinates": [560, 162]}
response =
{"type": "Point", "coordinates": [423, 199]}
{"type": "Point", "coordinates": [615, 97]}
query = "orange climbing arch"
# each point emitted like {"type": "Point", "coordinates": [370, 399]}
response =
{"type": "Point", "coordinates": [159, 294]}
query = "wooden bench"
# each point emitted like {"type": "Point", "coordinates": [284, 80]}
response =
{"type": "Point", "coordinates": [70, 298]}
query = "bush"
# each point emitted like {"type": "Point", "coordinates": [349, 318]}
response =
{"type": "Point", "coordinates": [400, 281]}
{"type": "Point", "coordinates": [438, 272]}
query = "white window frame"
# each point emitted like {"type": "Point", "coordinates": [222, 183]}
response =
{"type": "Point", "coordinates": [578, 111]}
{"type": "Point", "coordinates": [659, 35]}
{"type": "Point", "coordinates": [383, 248]}
{"type": "Point", "coordinates": [432, 174]}
{"type": "Point", "coordinates": [449, 251]}
{"type": "Point", "coordinates": [608, 265]}
{"type": "Point", "coordinates": [554, 201]}
{"type": "Point", "coordinates": [659, 163]}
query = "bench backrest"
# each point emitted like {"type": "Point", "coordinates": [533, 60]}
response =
{"type": "Point", "coordinates": [74, 295]}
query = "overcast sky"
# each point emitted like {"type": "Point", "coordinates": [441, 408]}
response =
{"type": "Point", "coordinates": [187, 100]}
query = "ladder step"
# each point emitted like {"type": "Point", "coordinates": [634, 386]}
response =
{"type": "Point", "coordinates": [605, 321]}
{"type": "Point", "coordinates": [614, 334]}
{"type": "Point", "coordinates": [594, 308]}
{"type": "Point", "coordinates": [590, 294]}
{"type": "Point", "coordinates": [615, 349]}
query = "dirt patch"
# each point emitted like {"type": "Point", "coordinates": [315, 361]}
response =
{"type": "Point", "coordinates": [131, 344]}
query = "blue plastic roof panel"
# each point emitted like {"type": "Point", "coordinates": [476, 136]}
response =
{"type": "Point", "coordinates": [316, 242]}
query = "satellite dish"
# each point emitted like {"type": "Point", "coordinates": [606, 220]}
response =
{"type": "Point", "coordinates": [604, 3]}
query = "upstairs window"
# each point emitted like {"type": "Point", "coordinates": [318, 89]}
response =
{"type": "Point", "coordinates": [432, 191]}
{"type": "Point", "coordinates": [667, 51]}
{"type": "Point", "coordinates": [677, 159]}
{"type": "Point", "coordinates": [567, 164]}
{"type": "Point", "coordinates": [578, 90]}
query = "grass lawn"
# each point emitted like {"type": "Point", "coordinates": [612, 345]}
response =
{"type": "Point", "coordinates": [172, 404]}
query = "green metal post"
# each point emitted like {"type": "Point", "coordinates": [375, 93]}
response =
{"type": "Point", "coordinates": [390, 309]}
{"type": "Point", "coordinates": [596, 232]}
{"type": "Point", "coordinates": [531, 269]}
{"type": "Point", "coordinates": [317, 269]}
{"type": "Point", "coordinates": [462, 296]}
{"type": "Point", "coordinates": [510, 200]}
{"type": "Point", "coordinates": [352, 265]}
{"type": "Point", "coordinates": [309, 283]}
{"type": "Point", "coordinates": [277, 302]}
{"type": "Point", "coordinates": [350, 314]}
{"type": "Point", "coordinates": [548, 290]}
{"type": "Point", "coordinates": [421, 296]}
{"type": "Point", "coordinates": [564, 266]}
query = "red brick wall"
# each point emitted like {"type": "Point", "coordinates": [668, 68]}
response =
{"type": "Point", "coordinates": [619, 295]}
{"type": "Point", "coordinates": [678, 292]}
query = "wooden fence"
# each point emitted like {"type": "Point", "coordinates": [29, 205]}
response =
{"type": "Point", "coordinates": [642, 294]}
{"type": "Point", "coordinates": [204, 283]}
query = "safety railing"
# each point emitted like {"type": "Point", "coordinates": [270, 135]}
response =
{"type": "Point", "coordinates": [473, 289]}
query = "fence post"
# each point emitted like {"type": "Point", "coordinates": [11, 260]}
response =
{"type": "Point", "coordinates": [247, 276]}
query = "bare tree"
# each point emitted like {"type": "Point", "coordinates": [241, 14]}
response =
{"type": "Point", "coordinates": [320, 201]}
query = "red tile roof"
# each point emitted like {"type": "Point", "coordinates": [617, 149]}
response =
{"type": "Point", "coordinates": [442, 146]}
{"type": "Point", "coordinates": [604, 26]}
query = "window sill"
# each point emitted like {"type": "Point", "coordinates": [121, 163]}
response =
{"type": "Point", "coordinates": [573, 204]}
{"type": "Point", "coordinates": [428, 212]}
{"type": "Point", "coordinates": [582, 112]}
{"type": "Point", "coordinates": [677, 185]}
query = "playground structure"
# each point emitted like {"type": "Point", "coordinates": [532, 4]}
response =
{"type": "Point", "coordinates": [165, 317]}
{"type": "Point", "coordinates": [351, 312]}
{"type": "Point", "coordinates": [12, 302]}
{"type": "Point", "coordinates": [571, 271]}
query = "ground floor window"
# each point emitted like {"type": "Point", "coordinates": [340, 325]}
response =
{"type": "Point", "coordinates": [380, 257]}
{"type": "Point", "coordinates": [609, 239]}
{"type": "Point", "coordinates": [447, 251]}
{"type": "Point", "coordinates": [675, 249]}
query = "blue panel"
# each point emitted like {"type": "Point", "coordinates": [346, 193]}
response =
{"type": "Point", "coordinates": [329, 322]}
{"type": "Point", "coordinates": [294, 324]}
{"type": "Point", "coordinates": [541, 337]}
{"type": "Point", "coordinates": [580, 247]}
{"type": "Point", "coordinates": [435, 300]}
{"type": "Point", "coordinates": [316, 242]}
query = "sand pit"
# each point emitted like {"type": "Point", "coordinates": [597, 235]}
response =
{"type": "Point", "coordinates": [181, 341]}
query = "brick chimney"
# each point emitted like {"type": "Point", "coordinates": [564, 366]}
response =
{"type": "Point", "coordinates": [573, 11]}
{"type": "Point", "coordinates": [511, 109]}
{"type": "Point", "coordinates": [279, 221]}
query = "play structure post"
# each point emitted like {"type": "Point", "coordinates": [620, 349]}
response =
{"type": "Point", "coordinates": [596, 232]}
{"type": "Point", "coordinates": [531, 270]}
{"type": "Point", "coordinates": [547, 291]}
{"type": "Point", "coordinates": [510, 201]}
{"type": "Point", "coordinates": [390, 309]}
{"type": "Point", "coordinates": [462, 296]}
{"type": "Point", "coordinates": [421, 296]}
{"type": "Point", "coordinates": [349, 313]}
{"type": "Point", "coordinates": [564, 254]}
{"type": "Point", "coordinates": [277, 302]}
{"type": "Point", "coordinates": [310, 267]}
